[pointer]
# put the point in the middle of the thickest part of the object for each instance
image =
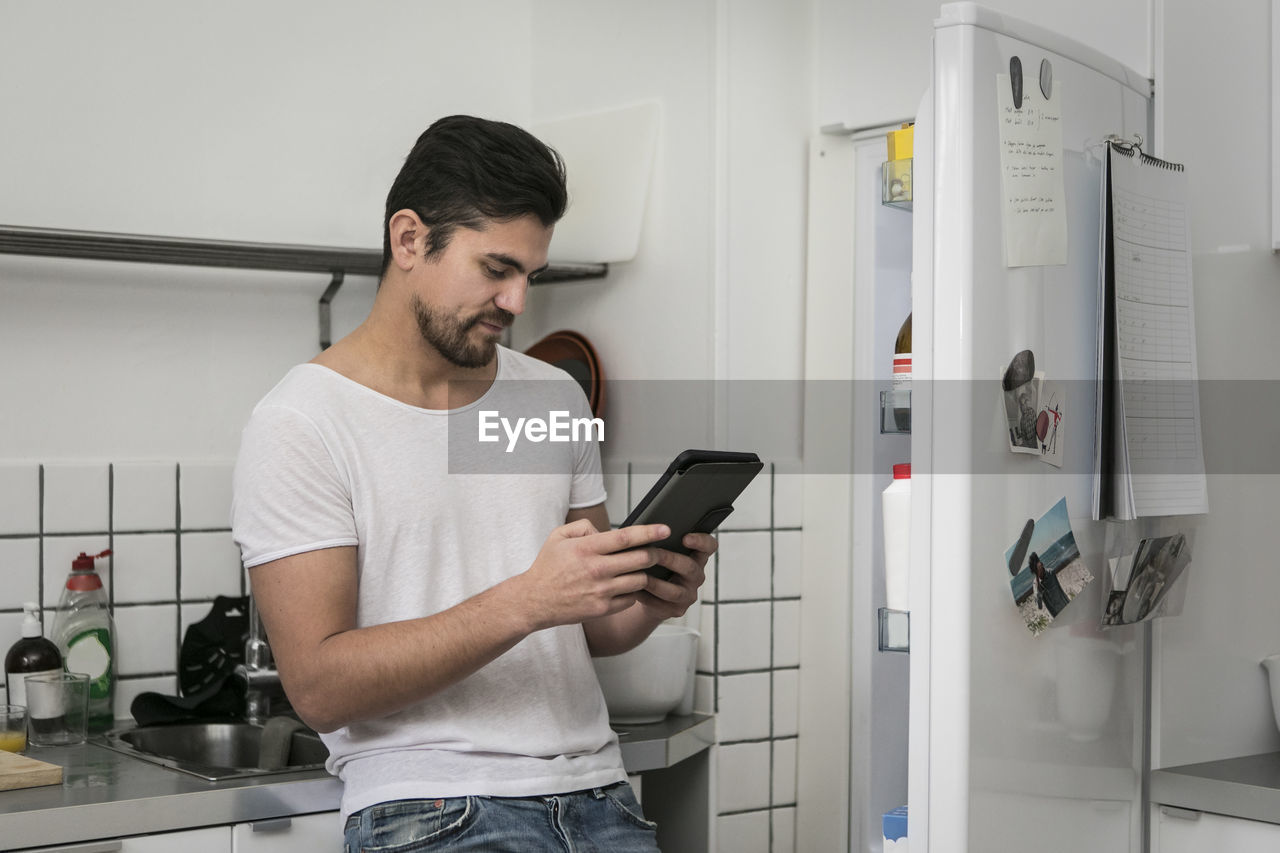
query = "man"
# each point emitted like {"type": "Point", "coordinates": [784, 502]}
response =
{"type": "Point", "coordinates": [435, 625]}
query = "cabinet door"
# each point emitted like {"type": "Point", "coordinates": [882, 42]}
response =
{"type": "Point", "coordinates": [313, 833]}
{"type": "Point", "coordinates": [216, 839]}
{"type": "Point", "coordinates": [1182, 832]}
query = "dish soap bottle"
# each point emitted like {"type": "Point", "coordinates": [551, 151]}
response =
{"type": "Point", "coordinates": [85, 635]}
{"type": "Point", "coordinates": [32, 655]}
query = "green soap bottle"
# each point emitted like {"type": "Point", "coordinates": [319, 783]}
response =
{"type": "Point", "coordinates": [85, 634]}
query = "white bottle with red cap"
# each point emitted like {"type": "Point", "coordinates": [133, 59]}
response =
{"type": "Point", "coordinates": [895, 504]}
{"type": "Point", "coordinates": [85, 634]}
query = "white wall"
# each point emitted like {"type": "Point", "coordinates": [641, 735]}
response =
{"type": "Point", "coordinates": [1211, 692]}
{"type": "Point", "coordinates": [720, 265]}
{"type": "Point", "coordinates": [873, 55]}
{"type": "Point", "coordinates": [651, 317]}
{"type": "Point", "coordinates": [276, 123]}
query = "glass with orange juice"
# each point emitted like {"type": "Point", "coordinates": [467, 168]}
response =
{"type": "Point", "coordinates": [13, 728]}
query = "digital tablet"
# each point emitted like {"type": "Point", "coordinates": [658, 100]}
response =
{"type": "Point", "coordinates": [694, 495]}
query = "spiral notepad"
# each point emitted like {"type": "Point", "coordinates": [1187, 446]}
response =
{"type": "Point", "coordinates": [1150, 458]}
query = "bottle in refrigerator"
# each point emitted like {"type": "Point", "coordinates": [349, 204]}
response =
{"type": "Point", "coordinates": [901, 387]}
{"type": "Point", "coordinates": [896, 510]}
{"type": "Point", "coordinates": [85, 634]}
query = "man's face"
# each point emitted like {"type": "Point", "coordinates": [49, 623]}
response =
{"type": "Point", "coordinates": [476, 286]}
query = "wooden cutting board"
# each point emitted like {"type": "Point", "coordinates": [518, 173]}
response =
{"type": "Point", "coordinates": [19, 771]}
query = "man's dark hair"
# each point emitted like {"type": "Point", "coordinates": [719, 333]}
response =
{"type": "Point", "coordinates": [464, 170]}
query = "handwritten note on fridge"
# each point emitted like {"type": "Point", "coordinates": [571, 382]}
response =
{"type": "Point", "coordinates": [1035, 215]}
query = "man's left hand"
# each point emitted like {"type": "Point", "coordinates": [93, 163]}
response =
{"type": "Point", "coordinates": [670, 598]}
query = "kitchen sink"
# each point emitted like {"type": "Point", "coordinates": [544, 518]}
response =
{"type": "Point", "coordinates": [223, 750]}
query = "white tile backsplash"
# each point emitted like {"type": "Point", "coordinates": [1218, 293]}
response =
{"type": "Point", "coordinates": [784, 770]}
{"type": "Point", "coordinates": [10, 633]}
{"type": "Point", "coordinates": [146, 639]}
{"type": "Point", "coordinates": [742, 776]}
{"type": "Point", "coordinates": [712, 571]}
{"type": "Point", "coordinates": [743, 636]}
{"type": "Point", "coordinates": [20, 498]}
{"type": "Point", "coordinates": [788, 499]}
{"type": "Point", "coordinates": [145, 567]}
{"type": "Point", "coordinates": [744, 707]}
{"type": "Point", "coordinates": [205, 490]}
{"type": "Point", "coordinates": [786, 633]}
{"type": "Point", "coordinates": [20, 568]}
{"type": "Point", "coordinates": [706, 661]}
{"type": "Point", "coordinates": [788, 563]}
{"type": "Point", "coordinates": [704, 699]}
{"type": "Point", "coordinates": [745, 566]}
{"type": "Point", "coordinates": [75, 497]}
{"type": "Point", "coordinates": [127, 689]}
{"type": "Point", "coordinates": [144, 496]}
{"type": "Point", "coordinates": [743, 833]}
{"type": "Point", "coordinates": [210, 565]}
{"type": "Point", "coordinates": [786, 702]}
{"type": "Point", "coordinates": [784, 830]}
{"type": "Point", "coordinates": [133, 508]}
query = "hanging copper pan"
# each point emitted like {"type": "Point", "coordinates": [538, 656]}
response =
{"type": "Point", "coordinates": [573, 353]}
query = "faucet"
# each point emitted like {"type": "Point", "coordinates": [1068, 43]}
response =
{"type": "Point", "coordinates": [258, 672]}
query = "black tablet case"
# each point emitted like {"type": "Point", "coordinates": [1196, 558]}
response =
{"type": "Point", "coordinates": [694, 495]}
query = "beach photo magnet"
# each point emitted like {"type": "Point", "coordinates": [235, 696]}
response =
{"type": "Point", "coordinates": [1051, 573]}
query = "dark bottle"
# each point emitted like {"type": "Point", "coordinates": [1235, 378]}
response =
{"type": "Point", "coordinates": [901, 387]}
{"type": "Point", "coordinates": [32, 655]}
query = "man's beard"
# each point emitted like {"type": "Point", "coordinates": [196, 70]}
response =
{"type": "Point", "coordinates": [450, 336]}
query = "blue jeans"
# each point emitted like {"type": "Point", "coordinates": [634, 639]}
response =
{"type": "Point", "coordinates": [606, 819]}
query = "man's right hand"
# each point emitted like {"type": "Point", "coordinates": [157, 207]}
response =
{"type": "Point", "coordinates": [582, 574]}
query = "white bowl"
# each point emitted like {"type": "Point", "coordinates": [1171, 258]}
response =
{"type": "Point", "coordinates": [648, 682]}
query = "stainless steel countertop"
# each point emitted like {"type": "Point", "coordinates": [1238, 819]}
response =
{"type": "Point", "coordinates": [1247, 787]}
{"type": "Point", "coordinates": [662, 744]}
{"type": "Point", "coordinates": [105, 794]}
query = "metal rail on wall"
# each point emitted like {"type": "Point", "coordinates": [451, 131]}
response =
{"type": "Point", "coordinates": [338, 262]}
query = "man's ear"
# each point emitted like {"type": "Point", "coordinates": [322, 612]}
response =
{"type": "Point", "coordinates": [408, 238]}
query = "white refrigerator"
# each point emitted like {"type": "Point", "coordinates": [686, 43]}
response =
{"type": "Point", "coordinates": [998, 739]}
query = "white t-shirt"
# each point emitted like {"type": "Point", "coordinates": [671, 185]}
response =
{"type": "Point", "coordinates": [437, 516]}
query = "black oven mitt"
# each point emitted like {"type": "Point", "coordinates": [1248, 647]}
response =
{"type": "Point", "coordinates": [211, 650]}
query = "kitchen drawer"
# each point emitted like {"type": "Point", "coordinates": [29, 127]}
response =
{"type": "Point", "coordinates": [215, 839]}
{"type": "Point", "coordinates": [312, 833]}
